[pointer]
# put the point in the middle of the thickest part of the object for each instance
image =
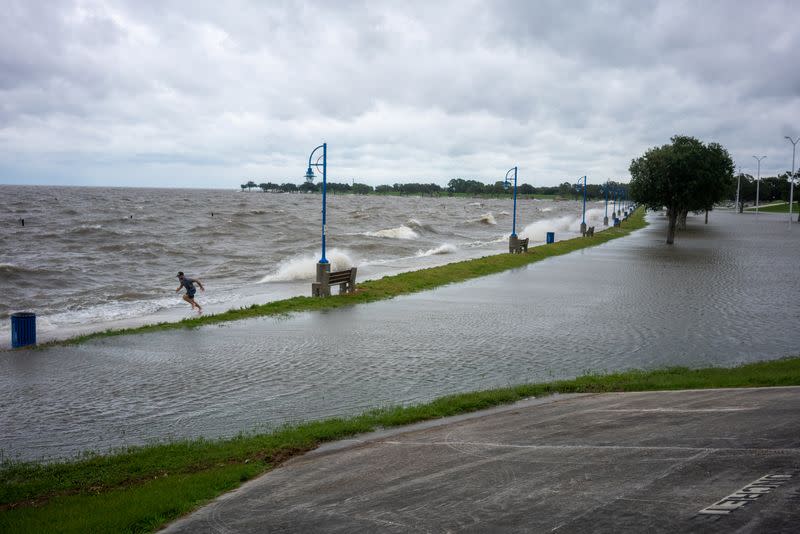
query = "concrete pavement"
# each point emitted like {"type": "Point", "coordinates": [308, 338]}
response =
{"type": "Point", "coordinates": [699, 461]}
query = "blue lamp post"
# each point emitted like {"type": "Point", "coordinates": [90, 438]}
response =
{"type": "Point", "coordinates": [506, 185]}
{"type": "Point", "coordinates": [583, 219]}
{"type": "Point", "coordinates": [323, 264]}
{"type": "Point", "coordinates": [614, 198]}
{"type": "Point", "coordinates": [604, 188]}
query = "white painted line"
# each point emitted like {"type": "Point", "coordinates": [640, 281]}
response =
{"type": "Point", "coordinates": [583, 447]}
{"type": "Point", "coordinates": [674, 410]}
{"type": "Point", "coordinates": [747, 494]}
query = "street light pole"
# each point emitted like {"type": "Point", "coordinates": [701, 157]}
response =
{"type": "Point", "coordinates": [583, 217]}
{"type": "Point", "coordinates": [758, 180]}
{"type": "Point", "coordinates": [738, 185]}
{"type": "Point", "coordinates": [310, 178]}
{"type": "Point", "coordinates": [605, 216]}
{"type": "Point", "coordinates": [506, 185]}
{"type": "Point", "coordinates": [614, 211]}
{"type": "Point", "coordinates": [791, 178]}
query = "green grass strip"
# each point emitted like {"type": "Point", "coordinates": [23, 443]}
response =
{"type": "Point", "coordinates": [777, 208]}
{"type": "Point", "coordinates": [389, 286]}
{"type": "Point", "coordinates": [143, 488]}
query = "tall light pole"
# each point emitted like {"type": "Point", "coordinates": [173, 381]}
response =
{"type": "Point", "coordinates": [758, 180]}
{"type": "Point", "coordinates": [738, 185]}
{"type": "Point", "coordinates": [583, 219]}
{"type": "Point", "coordinates": [506, 185]}
{"type": "Point", "coordinates": [323, 264]}
{"type": "Point", "coordinates": [605, 192]}
{"type": "Point", "coordinates": [614, 211]}
{"type": "Point", "coordinates": [791, 178]}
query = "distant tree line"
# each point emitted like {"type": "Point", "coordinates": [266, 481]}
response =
{"type": "Point", "coordinates": [456, 186]}
{"type": "Point", "coordinates": [771, 189]}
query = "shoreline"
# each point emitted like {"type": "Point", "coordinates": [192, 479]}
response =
{"type": "Point", "coordinates": [381, 288]}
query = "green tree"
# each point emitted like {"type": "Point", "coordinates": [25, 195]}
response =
{"type": "Point", "coordinates": [683, 176]}
{"type": "Point", "coordinates": [309, 187]}
{"type": "Point", "coordinates": [362, 189]}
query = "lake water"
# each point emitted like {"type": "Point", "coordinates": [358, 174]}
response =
{"type": "Point", "coordinates": [93, 258]}
{"type": "Point", "coordinates": [724, 294]}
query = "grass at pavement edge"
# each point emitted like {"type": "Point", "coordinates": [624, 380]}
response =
{"type": "Point", "coordinates": [143, 488]}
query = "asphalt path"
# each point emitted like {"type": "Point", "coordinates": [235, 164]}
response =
{"type": "Point", "coordinates": [725, 460]}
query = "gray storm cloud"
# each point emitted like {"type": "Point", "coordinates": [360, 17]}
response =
{"type": "Point", "coordinates": [209, 94]}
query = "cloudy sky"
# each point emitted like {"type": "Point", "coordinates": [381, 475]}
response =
{"type": "Point", "coordinates": [211, 94]}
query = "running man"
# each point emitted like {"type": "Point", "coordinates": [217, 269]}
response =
{"type": "Point", "coordinates": [189, 283]}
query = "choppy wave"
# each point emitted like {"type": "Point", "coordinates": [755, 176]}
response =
{"type": "Point", "coordinates": [445, 248]}
{"type": "Point", "coordinates": [12, 272]}
{"type": "Point", "coordinates": [305, 267]}
{"type": "Point", "coordinates": [417, 226]}
{"type": "Point", "coordinates": [487, 218]}
{"type": "Point", "coordinates": [401, 232]}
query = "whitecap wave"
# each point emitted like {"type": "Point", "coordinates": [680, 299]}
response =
{"type": "Point", "coordinates": [417, 226]}
{"type": "Point", "coordinates": [445, 248]}
{"type": "Point", "coordinates": [401, 232]}
{"type": "Point", "coordinates": [304, 267]}
{"type": "Point", "coordinates": [487, 218]}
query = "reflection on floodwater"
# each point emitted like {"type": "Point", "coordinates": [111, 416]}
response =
{"type": "Point", "coordinates": [724, 294]}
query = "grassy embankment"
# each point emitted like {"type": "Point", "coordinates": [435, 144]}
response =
{"type": "Point", "coordinates": [141, 489]}
{"type": "Point", "coordinates": [776, 208]}
{"type": "Point", "coordinates": [390, 286]}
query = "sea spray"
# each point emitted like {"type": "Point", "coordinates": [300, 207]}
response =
{"type": "Point", "coordinates": [537, 231]}
{"type": "Point", "coordinates": [305, 267]}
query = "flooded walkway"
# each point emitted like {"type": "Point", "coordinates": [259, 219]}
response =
{"type": "Point", "coordinates": [724, 294]}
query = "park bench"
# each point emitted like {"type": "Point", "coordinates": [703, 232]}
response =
{"type": "Point", "coordinates": [517, 245]}
{"type": "Point", "coordinates": [346, 280]}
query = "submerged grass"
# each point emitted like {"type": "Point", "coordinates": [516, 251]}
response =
{"type": "Point", "coordinates": [388, 286]}
{"type": "Point", "coordinates": [141, 489]}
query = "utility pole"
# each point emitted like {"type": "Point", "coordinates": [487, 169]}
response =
{"type": "Point", "coordinates": [738, 186]}
{"type": "Point", "coordinates": [758, 180]}
{"type": "Point", "coordinates": [791, 178]}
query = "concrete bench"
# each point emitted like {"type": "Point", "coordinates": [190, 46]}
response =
{"type": "Point", "coordinates": [346, 280]}
{"type": "Point", "coordinates": [517, 245]}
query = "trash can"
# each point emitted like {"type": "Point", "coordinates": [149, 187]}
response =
{"type": "Point", "coordinates": [23, 329]}
{"type": "Point", "coordinates": [551, 237]}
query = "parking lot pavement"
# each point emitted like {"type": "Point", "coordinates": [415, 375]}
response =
{"type": "Point", "coordinates": [725, 460]}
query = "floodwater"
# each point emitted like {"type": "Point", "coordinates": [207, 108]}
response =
{"type": "Point", "coordinates": [90, 258]}
{"type": "Point", "coordinates": [724, 294]}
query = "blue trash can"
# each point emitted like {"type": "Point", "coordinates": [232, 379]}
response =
{"type": "Point", "coordinates": [23, 329]}
{"type": "Point", "coordinates": [551, 237]}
